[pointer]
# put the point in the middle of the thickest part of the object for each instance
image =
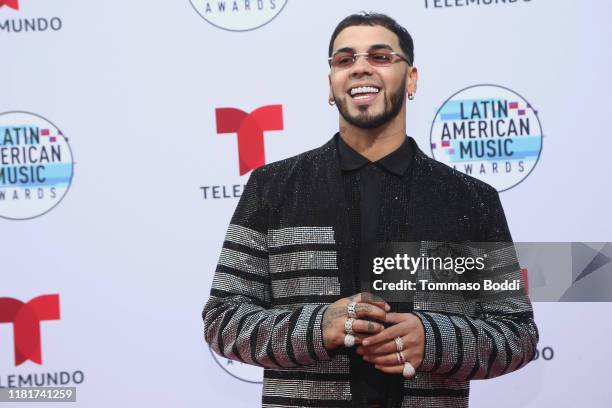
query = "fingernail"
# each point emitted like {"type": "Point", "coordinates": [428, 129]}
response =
{"type": "Point", "coordinates": [387, 308]}
{"type": "Point", "coordinates": [366, 358]}
{"type": "Point", "coordinates": [366, 342]}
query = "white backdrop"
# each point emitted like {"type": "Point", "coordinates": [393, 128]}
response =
{"type": "Point", "coordinates": [131, 249]}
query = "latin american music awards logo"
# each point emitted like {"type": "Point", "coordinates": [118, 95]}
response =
{"type": "Point", "coordinates": [36, 165]}
{"type": "Point", "coordinates": [489, 132]}
{"type": "Point", "coordinates": [243, 15]}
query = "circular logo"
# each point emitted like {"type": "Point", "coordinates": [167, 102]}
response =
{"type": "Point", "coordinates": [244, 372]}
{"type": "Point", "coordinates": [488, 132]}
{"type": "Point", "coordinates": [36, 165]}
{"type": "Point", "coordinates": [238, 15]}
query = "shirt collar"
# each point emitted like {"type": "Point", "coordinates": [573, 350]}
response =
{"type": "Point", "coordinates": [396, 162]}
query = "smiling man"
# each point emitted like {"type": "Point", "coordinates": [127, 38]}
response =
{"type": "Point", "coordinates": [286, 293]}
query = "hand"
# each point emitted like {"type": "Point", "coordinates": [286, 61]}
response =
{"type": "Point", "coordinates": [381, 351]}
{"type": "Point", "coordinates": [368, 306]}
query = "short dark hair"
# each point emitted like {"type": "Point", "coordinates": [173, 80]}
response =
{"type": "Point", "coordinates": [377, 19]}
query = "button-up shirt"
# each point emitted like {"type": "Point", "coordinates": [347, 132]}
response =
{"type": "Point", "coordinates": [363, 181]}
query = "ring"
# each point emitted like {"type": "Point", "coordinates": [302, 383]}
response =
{"type": "Point", "coordinates": [400, 357]}
{"type": "Point", "coordinates": [351, 309]}
{"type": "Point", "coordinates": [349, 340]}
{"type": "Point", "coordinates": [399, 344]}
{"type": "Point", "coordinates": [409, 370]}
{"type": "Point", "coordinates": [348, 325]}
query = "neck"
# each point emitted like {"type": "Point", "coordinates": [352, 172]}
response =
{"type": "Point", "coordinates": [374, 144]}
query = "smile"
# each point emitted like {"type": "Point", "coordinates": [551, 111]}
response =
{"type": "Point", "coordinates": [364, 92]}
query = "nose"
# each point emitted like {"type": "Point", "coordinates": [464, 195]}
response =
{"type": "Point", "coordinates": [361, 66]}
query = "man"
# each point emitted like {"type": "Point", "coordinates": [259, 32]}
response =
{"type": "Point", "coordinates": [286, 293]}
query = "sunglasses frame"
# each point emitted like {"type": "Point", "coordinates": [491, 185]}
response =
{"type": "Point", "coordinates": [366, 55]}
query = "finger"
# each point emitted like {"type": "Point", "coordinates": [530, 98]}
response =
{"type": "Point", "coordinates": [370, 311]}
{"type": "Point", "coordinates": [385, 360]}
{"type": "Point", "coordinates": [358, 338]}
{"type": "Point", "coordinates": [378, 349]}
{"type": "Point", "coordinates": [397, 317]}
{"type": "Point", "coordinates": [367, 297]}
{"type": "Point", "coordinates": [366, 326]}
{"type": "Point", "coordinates": [388, 334]}
{"type": "Point", "coordinates": [396, 369]}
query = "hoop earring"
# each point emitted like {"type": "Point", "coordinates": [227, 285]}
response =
{"type": "Point", "coordinates": [331, 102]}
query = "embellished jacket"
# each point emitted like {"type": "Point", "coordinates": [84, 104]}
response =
{"type": "Point", "coordinates": [287, 255]}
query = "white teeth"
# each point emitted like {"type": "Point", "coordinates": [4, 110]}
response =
{"type": "Point", "coordinates": [364, 89]}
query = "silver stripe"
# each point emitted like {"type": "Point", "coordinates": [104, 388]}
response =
{"type": "Point", "coordinates": [307, 285]}
{"type": "Point", "coordinates": [427, 381]}
{"type": "Point", "coordinates": [294, 261]}
{"type": "Point", "coordinates": [301, 235]}
{"type": "Point", "coordinates": [243, 262]}
{"type": "Point", "coordinates": [307, 389]}
{"type": "Point", "coordinates": [410, 401]}
{"type": "Point", "coordinates": [246, 236]}
{"type": "Point", "coordinates": [339, 364]}
{"type": "Point", "coordinates": [239, 286]}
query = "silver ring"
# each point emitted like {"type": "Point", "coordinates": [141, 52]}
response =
{"type": "Point", "coordinates": [351, 308]}
{"type": "Point", "coordinates": [348, 325]}
{"type": "Point", "coordinates": [408, 371]}
{"type": "Point", "coordinates": [349, 340]}
{"type": "Point", "coordinates": [399, 344]}
{"type": "Point", "coordinates": [400, 357]}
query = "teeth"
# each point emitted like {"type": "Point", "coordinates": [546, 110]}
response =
{"type": "Point", "coordinates": [364, 89]}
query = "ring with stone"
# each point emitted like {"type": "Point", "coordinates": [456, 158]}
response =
{"type": "Point", "coordinates": [408, 371]}
{"type": "Point", "coordinates": [399, 344]}
{"type": "Point", "coordinates": [349, 340]}
{"type": "Point", "coordinates": [351, 308]}
{"type": "Point", "coordinates": [348, 326]}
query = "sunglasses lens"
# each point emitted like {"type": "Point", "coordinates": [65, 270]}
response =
{"type": "Point", "coordinates": [380, 58]}
{"type": "Point", "coordinates": [343, 60]}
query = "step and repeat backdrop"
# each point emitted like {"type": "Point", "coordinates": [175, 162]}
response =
{"type": "Point", "coordinates": [128, 131]}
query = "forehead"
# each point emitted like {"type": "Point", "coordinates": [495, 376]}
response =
{"type": "Point", "coordinates": [361, 38]}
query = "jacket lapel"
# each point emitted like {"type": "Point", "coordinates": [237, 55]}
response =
{"type": "Point", "coordinates": [333, 196]}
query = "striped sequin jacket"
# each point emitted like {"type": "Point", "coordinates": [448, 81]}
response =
{"type": "Point", "coordinates": [287, 255]}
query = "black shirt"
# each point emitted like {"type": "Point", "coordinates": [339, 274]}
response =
{"type": "Point", "coordinates": [363, 181]}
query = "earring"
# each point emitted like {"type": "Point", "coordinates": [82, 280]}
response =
{"type": "Point", "coordinates": [411, 96]}
{"type": "Point", "coordinates": [331, 102]}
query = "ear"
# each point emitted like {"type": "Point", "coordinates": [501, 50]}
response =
{"type": "Point", "coordinates": [411, 82]}
{"type": "Point", "coordinates": [331, 94]}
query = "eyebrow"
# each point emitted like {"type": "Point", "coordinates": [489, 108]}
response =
{"type": "Point", "coordinates": [372, 47]}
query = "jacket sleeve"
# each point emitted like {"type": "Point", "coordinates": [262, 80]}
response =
{"type": "Point", "coordinates": [502, 336]}
{"type": "Point", "coordinates": [239, 322]}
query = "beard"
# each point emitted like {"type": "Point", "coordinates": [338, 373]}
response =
{"type": "Point", "coordinates": [365, 120]}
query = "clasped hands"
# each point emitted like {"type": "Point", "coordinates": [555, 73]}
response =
{"type": "Point", "coordinates": [357, 320]}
